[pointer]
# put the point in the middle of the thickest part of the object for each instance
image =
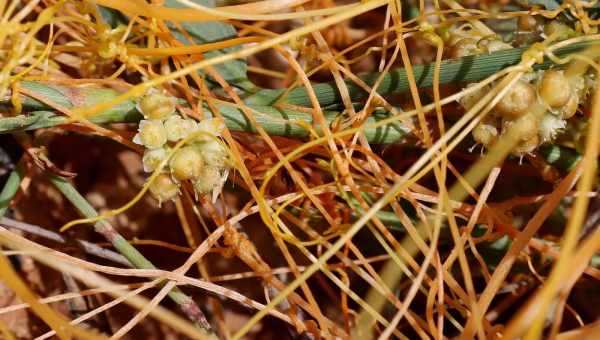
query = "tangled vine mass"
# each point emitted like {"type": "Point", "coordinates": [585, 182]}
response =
{"type": "Point", "coordinates": [302, 169]}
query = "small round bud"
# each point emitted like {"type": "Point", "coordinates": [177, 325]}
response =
{"type": "Point", "coordinates": [152, 134]}
{"type": "Point", "coordinates": [157, 105]}
{"type": "Point", "coordinates": [163, 188]}
{"type": "Point", "coordinates": [152, 158]}
{"type": "Point", "coordinates": [464, 47]}
{"type": "Point", "coordinates": [496, 45]}
{"type": "Point", "coordinates": [550, 126]}
{"type": "Point", "coordinates": [554, 88]}
{"type": "Point", "coordinates": [525, 127]}
{"type": "Point", "coordinates": [453, 39]}
{"type": "Point", "coordinates": [517, 100]}
{"type": "Point", "coordinates": [187, 163]}
{"type": "Point", "coordinates": [179, 128]}
{"type": "Point", "coordinates": [215, 154]}
{"type": "Point", "coordinates": [526, 146]}
{"type": "Point", "coordinates": [485, 133]}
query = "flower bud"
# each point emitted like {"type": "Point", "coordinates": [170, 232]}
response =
{"type": "Point", "coordinates": [469, 100]}
{"type": "Point", "coordinates": [554, 88]}
{"type": "Point", "coordinates": [570, 108]}
{"type": "Point", "coordinates": [157, 105]}
{"type": "Point", "coordinates": [516, 101]}
{"type": "Point", "coordinates": [210, 179]}
{"type": "Point", "coordinates": [493, 44]}
{"type": "Point", "coordinates": [163, 188]}
{"type": "Point", "coordinates": [485, 133]}
{"type": "Point", "coordinates": [526, 146]}
{"type": "Point", "coordinates": [187, 163]}
{"type": "Point", "coordinates": [559, 30]}
{"type": "Point", "coordinates": [524, 128]}
{"type": "Point", "coordinates": [464, 47]}
{"type": "Point", "coordinates": [213, 126]}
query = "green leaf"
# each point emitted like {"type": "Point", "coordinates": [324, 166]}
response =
{"type": "Point", "coordinates": [235, 71]}
{"type": "Point", "coordinates": [112, 17]}
{"type": "Point", "coordinates": [10, 189]}
{"type": "Point", "coordinates": [60, 95]}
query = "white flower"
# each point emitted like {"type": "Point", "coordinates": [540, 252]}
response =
{"type": "Point", "coordinates": [151, 134]}
{"type": "Point", "coordinates": [211, 182]}
{"type": "Point", "coordinates": [213, 126]}
{"type": "Point", "coordinates": [550, 126]}
{"type": "Point", "coordinates": [215, 154]}
{"type": "Point", "coordinates": [156, 105]}
{"type": "Point", "coordinates": [179, 128]}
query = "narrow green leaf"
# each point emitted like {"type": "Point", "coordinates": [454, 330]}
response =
{"type": "Point", "coordinates": [10, 189]}
{"type": "Point", "coordinates": [467, 69]}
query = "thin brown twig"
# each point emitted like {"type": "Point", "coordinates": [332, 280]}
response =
{"type": "Point", "coordinates": [88, 247]}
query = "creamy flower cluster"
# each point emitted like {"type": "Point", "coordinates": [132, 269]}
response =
{"type": "Point", "coordinates": [203, 159]}
{"type": "Point", "coordinates": [558, 95]}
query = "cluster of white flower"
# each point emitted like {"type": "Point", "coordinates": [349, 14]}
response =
{"type": "Point", "coordinates": [559, 95]}
{"type": "Point", "coordinates": [203, 159]}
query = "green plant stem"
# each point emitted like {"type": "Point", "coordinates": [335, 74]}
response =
{"type": "Point", "coordinates": [275, 121]}
{"type": "Point", "coordinates": [466, 69]}
{"type": "Point", "coordinates": [8, 193]}
{"type": "Point", "coordinates": [186, 303]}
{"type": "Point", "coordinates": [10, 189]}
